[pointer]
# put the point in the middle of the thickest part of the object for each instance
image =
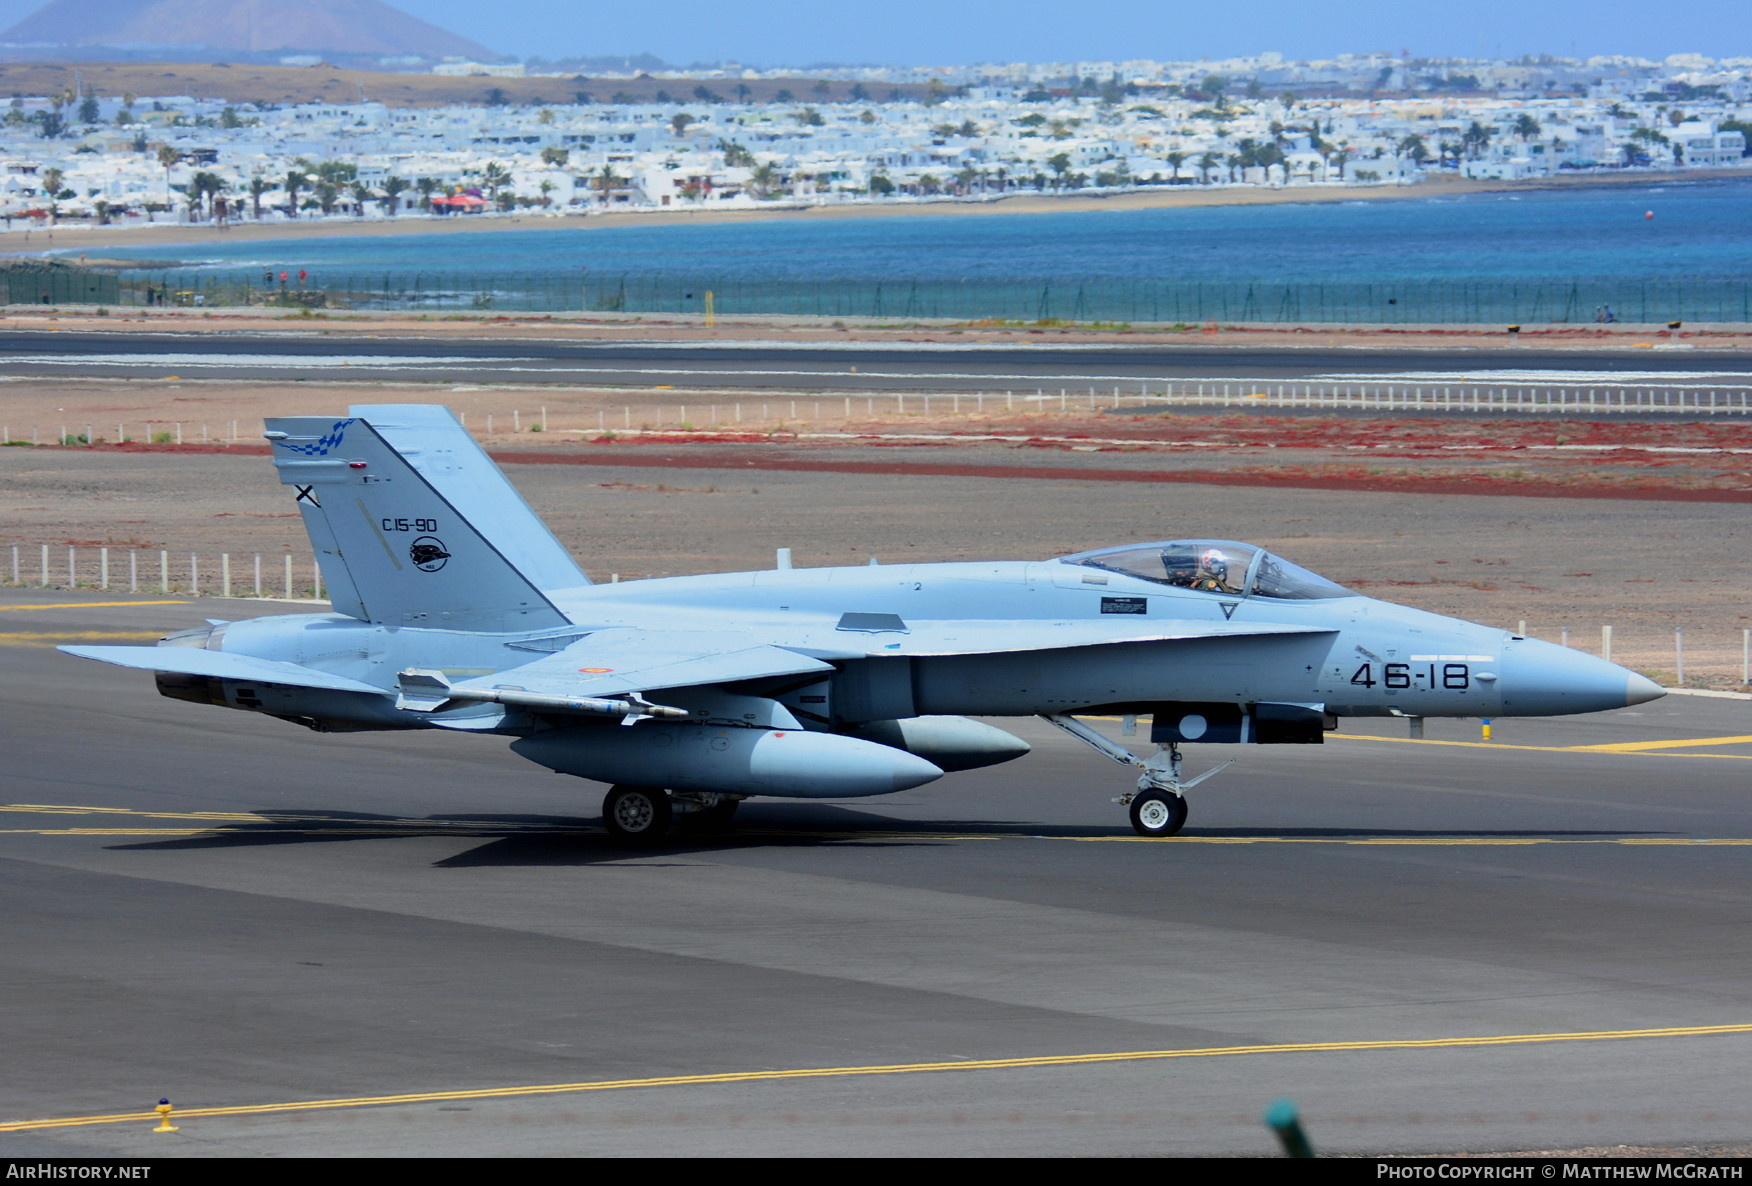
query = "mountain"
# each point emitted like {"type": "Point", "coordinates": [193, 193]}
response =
{"type": "Point", "coordinates": [244, 27]}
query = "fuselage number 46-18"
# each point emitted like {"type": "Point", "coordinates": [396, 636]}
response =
{"type": "Point", "coordinates": [1452, 677]}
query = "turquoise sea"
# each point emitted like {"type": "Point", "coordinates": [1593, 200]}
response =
{"type": "Point", "coordinates": [1474, 257]}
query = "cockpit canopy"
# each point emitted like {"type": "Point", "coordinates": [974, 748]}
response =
{"type": "Point", "coordinates": [1213, 566]}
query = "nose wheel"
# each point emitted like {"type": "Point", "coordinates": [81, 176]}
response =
{"type": "Point", "coordinates": [1158, 806]}
{"type": "Point", "coordinates": [1158, 813]}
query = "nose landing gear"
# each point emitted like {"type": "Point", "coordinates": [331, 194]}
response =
{"type": "Point", "coordinates": [1158, 804]}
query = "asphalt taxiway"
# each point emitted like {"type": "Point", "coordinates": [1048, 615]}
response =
{"type": "Point", "coordinates": [850, 366]}
{"type": "Point", "coordinates": [418, 944]}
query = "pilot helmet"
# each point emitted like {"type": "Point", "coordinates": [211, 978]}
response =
{"type": "Point", "coordinates": [1213, 563]}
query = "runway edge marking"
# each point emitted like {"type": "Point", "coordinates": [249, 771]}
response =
{"type": "Point", "coordinates": [987, 1064]}
{"type": "Point", "coordinates": [86, 605]}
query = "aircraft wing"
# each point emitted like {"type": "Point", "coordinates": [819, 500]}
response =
{"type": "Point", "coordinates": [622, 659]}
{"type": "Point", "coordinates": [221, 665]}
{"type": "Point", "coordinates": [993, 637]}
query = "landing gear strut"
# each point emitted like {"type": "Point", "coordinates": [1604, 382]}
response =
{"type": "Point", "coordinates": [1158, 804]}
{"type": "Point", "coordinates": [710, 818]}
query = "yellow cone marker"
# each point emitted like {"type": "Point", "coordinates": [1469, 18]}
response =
{"type": "Point", "coordinates": [1487, 728]}
{"type": "Point", "coordinates": [164, 1124]}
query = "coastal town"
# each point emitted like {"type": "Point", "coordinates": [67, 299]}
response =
{"type": "Point", "coordinates": [708, 139]}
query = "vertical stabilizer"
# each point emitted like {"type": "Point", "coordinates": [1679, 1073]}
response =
{"type": "Point", "coordinates": [398, 502]}
{"type": "Point", "coordinates": [432, 441]}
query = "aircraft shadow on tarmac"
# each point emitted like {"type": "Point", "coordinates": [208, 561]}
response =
{"type": "Point", "coordinates": [536, 840]}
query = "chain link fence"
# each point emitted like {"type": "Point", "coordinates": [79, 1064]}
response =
{"type": "Point", "coordinates": [59, 285]}
{"type": "Point", "coordinates": [1421, 301]}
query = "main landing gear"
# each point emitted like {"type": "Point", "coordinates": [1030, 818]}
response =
{"type": "Point", "coordinates": [641, 817]}
{"type": "Point", "coordinates": [1158, 805]}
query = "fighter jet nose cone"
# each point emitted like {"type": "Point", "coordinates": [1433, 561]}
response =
{"type": "Point", "coordinates": [1542, 679]}
{"type": "Point", "coordinates": [1640, 690]}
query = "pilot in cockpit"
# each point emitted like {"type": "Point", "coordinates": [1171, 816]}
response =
{"type": "Point", "coordinates": [1208, 572]}
{"type": "Point", "coordinates": [1213, 572]}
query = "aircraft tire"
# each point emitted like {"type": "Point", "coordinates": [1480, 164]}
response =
{"type": "Point", "coordinates": [637, 816]}
{"type": "Point", "coordinates": [1157, 813]}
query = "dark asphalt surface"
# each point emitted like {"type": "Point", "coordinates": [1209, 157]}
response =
{"type": "Point", "coordinates": [775, 365]}
{"type": "Point", "coordinates": [228, 910]}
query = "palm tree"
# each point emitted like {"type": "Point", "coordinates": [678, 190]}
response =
{"type": "Point", "coordinates": [296, 179]}
{"type": "Point", "coordinates": [427, 187]}
{"type": "Point", "coordinates": [1175, 159]}
{"type": "Point", "coordinates": [52, 178]}
{"type": "Point", "coordinates": [763, 180]}
{"type": "Point", "coordinates": [208, 186]}
{"type": "Point", "coordinates": [1269, 154]}
{"type": "Point", "coordinates": [1206, 163]}
{"type": "Point", "coordinates": [393, 188]}
{"type": "Point", "coordinates": [1526, 127]}
{"type": "Point", "coordinates": [361, 195]}
{"type": "Point", "coordinates": [326, 193]}
{"type": "Point", "coordinates": [1475, 139]}
{"type": "Point", "coordinates": [167, 159]}
{"type": "Point", "coordinates": [258, 185]}
{"type": "Point", "coordinates": [495, 177]}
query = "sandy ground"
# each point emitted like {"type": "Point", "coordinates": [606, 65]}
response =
{"type": "Point", "coordinates": [75, 237]}
{"type": "Point", "coordinates": [1451, 516]}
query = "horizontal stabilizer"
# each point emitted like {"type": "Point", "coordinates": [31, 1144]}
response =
{"type": "Point", "coordinates": [220, 665]}
{"type": "Point", "coordinates": [615, 661]}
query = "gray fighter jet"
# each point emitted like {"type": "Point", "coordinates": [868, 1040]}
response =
{"type": "Point", "coordinates": [455, 608]}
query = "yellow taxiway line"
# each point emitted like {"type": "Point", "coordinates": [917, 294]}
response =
{"type": "Point", "coordinates": [1656, 749]}
{"type": "Point", "coordinates": [1638, 747]}
{"type": "Point", "coordinates": [220, 825]}
{"type": "Point", "coordinates": [379, 833]}
{"type": "Point", "coordinates": [983, 1064]}
{"type": "Point", "coordinates": [45, 638]}
{"type": "Point", "coordinates": [86, 605]}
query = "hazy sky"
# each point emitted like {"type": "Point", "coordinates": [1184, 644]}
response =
{"type": "Point", "coordinates": [962, 31]}
{"type": "Point", "coordinates": [965, 31]}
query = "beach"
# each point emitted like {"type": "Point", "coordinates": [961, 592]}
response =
{"type": "Point", "coordinates": [79, 237]}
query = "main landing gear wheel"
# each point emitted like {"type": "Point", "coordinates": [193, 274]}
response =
{"type": "Point", "coordinates": [637, 816]}
{"type": "Point", "coordinates": [1158, 813]}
